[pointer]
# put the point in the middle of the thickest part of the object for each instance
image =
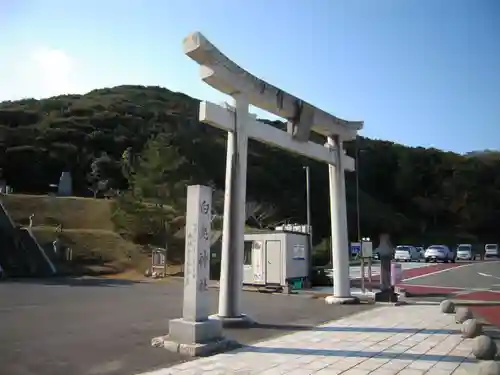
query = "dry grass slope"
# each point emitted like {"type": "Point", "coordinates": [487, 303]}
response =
{"type": "Point", "coordinates": [71, 212]}
{"type": "Point", "coordinates": [87, 230]}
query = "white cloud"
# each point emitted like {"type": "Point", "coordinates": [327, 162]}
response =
{"type": "Point", "coordinates": [38, 73]}
{"type": "Point", "coordinates": [52, 71]}
{"type": "Point", "coordinates": [55, 67]}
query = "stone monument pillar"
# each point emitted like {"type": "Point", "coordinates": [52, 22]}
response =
{"type": "Point", "coordinates": [65, 186]}
{"type": "Point", "coordinates": [195, 334]}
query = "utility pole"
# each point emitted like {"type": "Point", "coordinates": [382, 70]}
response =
{"type": "Point", "coordinates": [358, 217]}
{"type": "Point", "coordinates": [308, 217]}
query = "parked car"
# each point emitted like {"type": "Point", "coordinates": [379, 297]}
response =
{"type": "Point", "coordinates": [464, 252]}
{"type": "Point", "coordinates": [491, 250]}
{"type": "Point", "coordinates": [437, 253]}
{"type": "Point", "coordinates": [406, 253]}
{"type": "Point", "coordinates": [421, 251]}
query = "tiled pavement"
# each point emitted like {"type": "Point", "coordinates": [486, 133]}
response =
{"type": "Point", "coordinates": [406, 340]}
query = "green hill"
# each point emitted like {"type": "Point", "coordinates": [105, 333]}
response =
{"type": "Point", "coordinates": [420, 195]}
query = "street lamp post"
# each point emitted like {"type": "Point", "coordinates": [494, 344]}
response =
{"type": "Point", "coordinates": [356, 161]}
{"type": "Point", "coordinates": [363, 241]}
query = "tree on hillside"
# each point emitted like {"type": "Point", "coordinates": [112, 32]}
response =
{"type": "Point", "coordinates": [152, 210]}
{"type": "Point", "coordinates": [105, 175]}
{"type": "Point", "coordinates": [98, 177]}
{"type": "Point", "coordinates": [260, 214]}
{"type": "Point", "coordinates": [157, 176]}
{"type": "Point", "coordinates": [127, 164]}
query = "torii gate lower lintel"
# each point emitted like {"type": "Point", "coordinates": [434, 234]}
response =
{"type": "Point", "coordinates": [221, 73]}
{"type": "Point", "coordinates": [223, 118]}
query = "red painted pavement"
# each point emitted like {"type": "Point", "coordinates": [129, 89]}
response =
{"type": "Point", "coordinates": [421, 271]}
{"type": "Point", "coordinates": [489, 313]}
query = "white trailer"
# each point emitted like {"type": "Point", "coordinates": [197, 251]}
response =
{"type": "Point", "coordinates": [276, 258]}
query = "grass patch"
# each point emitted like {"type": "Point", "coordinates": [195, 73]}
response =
{"type": "Point", "coordinates": [50, 211]}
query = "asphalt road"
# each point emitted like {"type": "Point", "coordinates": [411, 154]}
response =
{"type": "Point", "coordinates": [475, 275]}
{"type": "Point", "coordinates": [104, 327]}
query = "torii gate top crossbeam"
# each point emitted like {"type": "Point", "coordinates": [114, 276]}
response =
{"type": "Point", "coordinates": [223, 74]}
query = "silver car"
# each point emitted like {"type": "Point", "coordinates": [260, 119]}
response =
{"type": "Point", "coordinates": [406, 253]}
{"type": "Point", "coordinates": [442, 253]}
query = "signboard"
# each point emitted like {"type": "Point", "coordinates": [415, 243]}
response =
{"type": "Point", "coordinates": [299, 252]}
{"type": "Point", "coordinates": [367, 249]}
{"type": "Point", "coordinates": [355, 248]}
{"type": "Point", "coordinates": [258, 274]}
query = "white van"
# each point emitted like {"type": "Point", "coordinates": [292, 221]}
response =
{"type": "Point", "coordinates": [406, 253]}
{"type": "Point", "coordinates": [464, 252]}
{"type": "Point", "coordinates": [491, 250]}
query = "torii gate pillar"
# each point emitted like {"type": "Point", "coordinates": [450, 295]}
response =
{"type": "Point", "coordinates": [338, 221]}
{"type": "Point", "coordinates": [233, 231]}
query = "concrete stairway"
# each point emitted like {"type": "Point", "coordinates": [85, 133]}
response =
{"type": "Point", "coordinates": [20, 253]}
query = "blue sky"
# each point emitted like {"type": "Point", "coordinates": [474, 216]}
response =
{"type": "Point", "coordinates": [418, 72]}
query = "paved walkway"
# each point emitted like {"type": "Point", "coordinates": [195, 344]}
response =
{"type": "Point", "coordinates": [406, 340]}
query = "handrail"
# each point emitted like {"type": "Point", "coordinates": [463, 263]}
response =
{"type": "Point", "coordinates": [42, 250]}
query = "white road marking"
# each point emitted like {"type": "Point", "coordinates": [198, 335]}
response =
{"type": "Point", "coordinates": [488, 275]}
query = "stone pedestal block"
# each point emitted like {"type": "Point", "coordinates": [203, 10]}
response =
{"type": "Point", "coordinates": [194, 338]}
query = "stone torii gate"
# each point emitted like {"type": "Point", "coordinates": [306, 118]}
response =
{"type": "Point", "coordinates": [221, 73]}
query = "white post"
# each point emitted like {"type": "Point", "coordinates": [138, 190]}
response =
{"type": "Point", "coordinates": [338, 214]}
{"type": "Point", "coordinates": [231, 278]}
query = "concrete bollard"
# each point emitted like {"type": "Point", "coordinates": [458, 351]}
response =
{"type": "Point", "coordinates": [484, 347]}
{"type": "Point", "coordinates": [396, 273]}
{"type": "Point", "coordinates": [447, 307]}
{"type": "Point", "coordinates": [471, 328]}
{"type": "Point", "coordinates": [462, 314]}
{"type": "Point", "coordinates": [489, 368]}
